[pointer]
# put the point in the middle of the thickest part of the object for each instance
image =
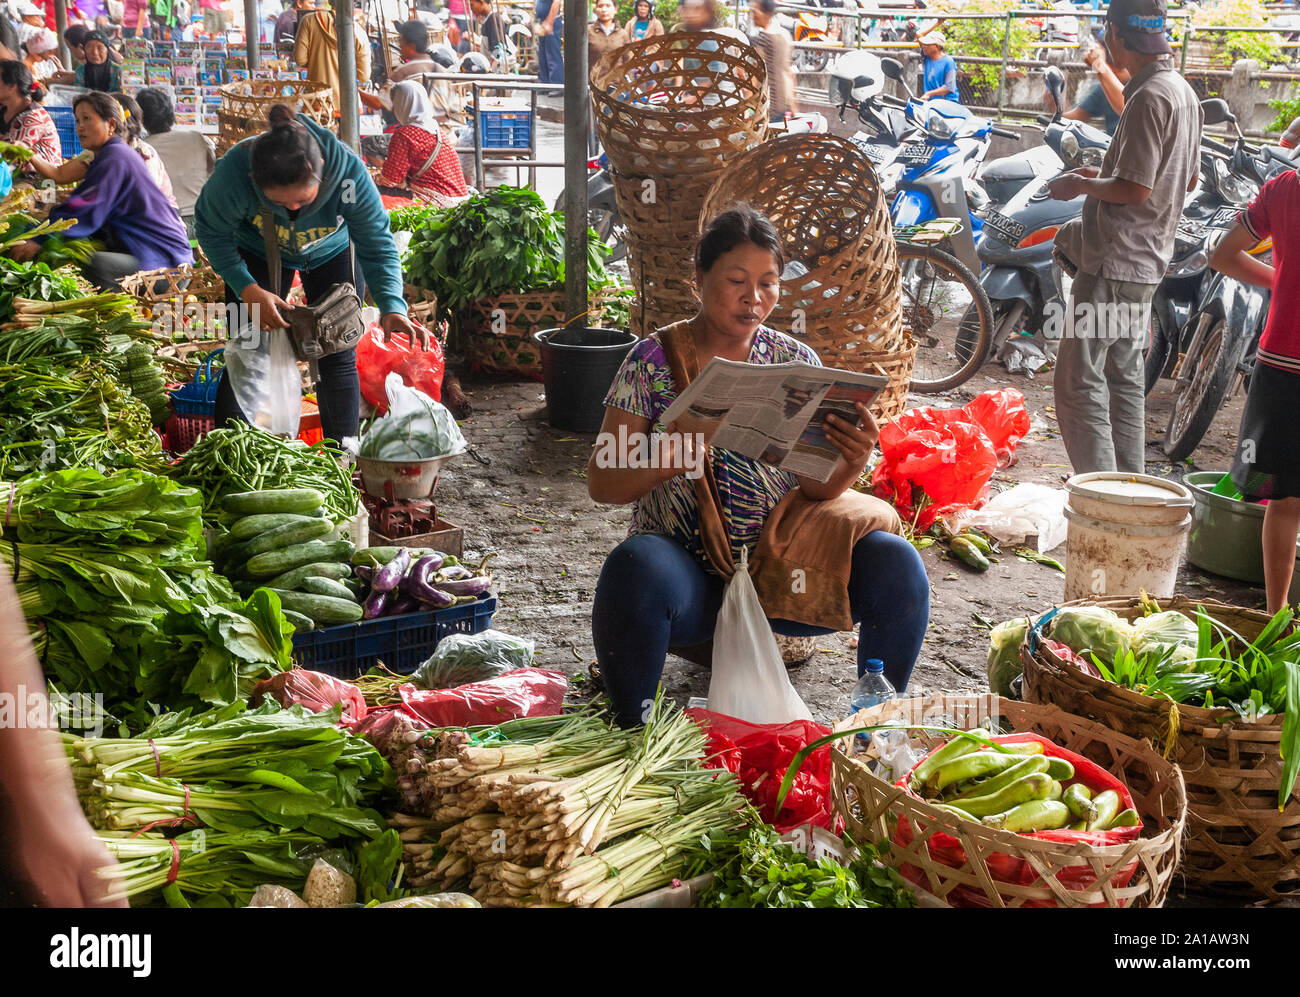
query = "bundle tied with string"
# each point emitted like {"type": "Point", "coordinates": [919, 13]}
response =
{"type": "Point", "coordinates": [671, 112]}
{"type": "Point", "coordinates": [840, 289]}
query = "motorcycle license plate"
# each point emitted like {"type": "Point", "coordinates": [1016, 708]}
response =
{"type": "Point", "coordinates": [874, 151]}
{"type": "Point", "coordinates": [1225, 218]}
{"type": "Point", "coordinates": [1008, 228]}
{"type": "Point", "coordinates": [915, 152]}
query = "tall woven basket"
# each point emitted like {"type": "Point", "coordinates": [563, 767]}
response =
{"type": "Point", "coordinates": [1238, 843]}
{"type": "Point", "coordinates": [1050, 873]}
{"type": "Point", "coordinates": [498, 331]}
{"type": "Point", "coordinates": [244, 107]}
{"type": "Point", "coordinates": [822, 194]}
{"type": "Point", "coordinates": [672, 112]}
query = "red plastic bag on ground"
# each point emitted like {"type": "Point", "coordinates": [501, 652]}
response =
{"type": "Point", "coordinates": [418, 367]}
{"type": "Point", "coordinates": [1005, 868]}
{"type": "Point", "coordinates": [525, 692]}
{"type": "Point", "coordinates": [316, 691]}
{"type": "Point", "coordinates": [759, 754]}
{"type": "Point", "coordinates": [936, 461]}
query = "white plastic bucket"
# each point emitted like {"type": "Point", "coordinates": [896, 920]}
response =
{"type": "Point", "coordinates": [1126, 532]}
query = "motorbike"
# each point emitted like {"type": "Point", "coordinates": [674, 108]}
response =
{"type": "Point", "coordinates": [1214, 350]}
{"type": "Point", "coordinates": [1024, 285]}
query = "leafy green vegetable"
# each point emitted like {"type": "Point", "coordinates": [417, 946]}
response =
{"type": "Point", "coordinates": [1004, 654]}
{"type": "Point", "coordinates": [35, 281]}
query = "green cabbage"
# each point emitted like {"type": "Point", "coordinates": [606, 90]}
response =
{"type": "Point", "coordinates": [1163, 632]}
{"type": "Point", "coordinates": [1004, 654]}
{"type": "Point", "coordinates": [1092, 629]}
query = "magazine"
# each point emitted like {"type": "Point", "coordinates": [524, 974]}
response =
{"type": "Point", "coordinates": [773, 412]}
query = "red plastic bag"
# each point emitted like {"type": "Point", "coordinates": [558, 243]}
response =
{"type": "Point", "coordinates": [759, 754]}
{"type": "Point", "coordinates": [936, 461]}
{"type": "Point", "coordinates": [381, 723]}
{"type": "Point", "coordinates": [525, 692]}
{"type": "Point", "coordinates": [419, 368]}
{"type": "Point", "coordinates": [316, 691]}
{"type": "Point", "coordinates": [1004, 868]}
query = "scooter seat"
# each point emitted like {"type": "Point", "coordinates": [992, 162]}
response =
{"type": "Point", "coordinates": [1010, 169]}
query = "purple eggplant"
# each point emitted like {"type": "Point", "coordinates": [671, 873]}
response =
{"type": "Point", "coordinates": [474, 586]}
{"type": "Point", "coordinates": [432, 597]}
{"type": "Point", "coordinates": [386, 578]}
{"type": "Point", "coordinates": [454, 573]}
{"type": "Point", "coordinates": [404, 603]}
{"type": "Point", "coordinates": [364, 571]}
{"type": "Point", "coordinates": [374, 605]}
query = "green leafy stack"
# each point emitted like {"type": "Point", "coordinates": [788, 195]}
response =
{"type": "Point", "coordinates": [34, 282]}
{"type": "Point", "coordinates": [111, 577]}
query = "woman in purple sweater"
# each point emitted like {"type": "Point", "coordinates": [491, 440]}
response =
{"type": "Point", "coordinates": [118, 203]}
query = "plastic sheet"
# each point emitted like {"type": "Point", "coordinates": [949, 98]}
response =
{"type": "Point", "coordinates": [528, 692]}
{"type": "Point", "coordinates": [315, 691]}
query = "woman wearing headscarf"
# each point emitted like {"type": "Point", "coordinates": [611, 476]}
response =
{"type": "Point", "coordinates": [422, 161]}
{"type": "Point", "coordinates": [97, 72]}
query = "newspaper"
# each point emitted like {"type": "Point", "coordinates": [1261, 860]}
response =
{"type": "Point", "coordinates": [773, 412]}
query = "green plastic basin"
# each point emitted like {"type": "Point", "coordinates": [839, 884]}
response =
{"type": "Point", "coordinates": [1226, 536]}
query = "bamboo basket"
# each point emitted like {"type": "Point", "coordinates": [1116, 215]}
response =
{"type": "Point", "coordinates": [244, 107]}
{"type": "Point", "coordinates": [1238, 843]}
{"type": "Point", "coordinates": [498, 331]}
{"type": "Point", "coordinates": [668, 106]}
{"type": "Point", "coordinates": [1133, 874]}
{"type": "Point", "coordinates": [891, 401]}
{"type": "Point", "coordinates": [171, 283]}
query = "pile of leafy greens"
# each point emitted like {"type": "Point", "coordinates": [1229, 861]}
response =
{"type": "Point", "coordinates": [501, 242]}
{"type": "Point", "coordinates": [112, 578]}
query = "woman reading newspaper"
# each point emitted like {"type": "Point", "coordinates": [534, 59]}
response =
{"type": "Point", "coordinates": [823, 557]}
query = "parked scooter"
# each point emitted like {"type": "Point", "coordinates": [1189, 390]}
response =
{"type": "Point", "coordinates": [1023, 284]}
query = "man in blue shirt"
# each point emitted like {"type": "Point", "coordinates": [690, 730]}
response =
{"type": "Point", "coordinates": [1105, 98]}
{"type": "Point", "coordinates": [940, 71]}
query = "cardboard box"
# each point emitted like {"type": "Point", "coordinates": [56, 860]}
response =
{"type": "Point", "coordinates": [447, 538]}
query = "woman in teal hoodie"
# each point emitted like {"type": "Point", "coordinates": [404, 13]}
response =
{"type": "Point", "coordinates": [323, 201]}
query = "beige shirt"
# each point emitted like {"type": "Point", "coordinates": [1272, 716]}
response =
{"type": "Point", "coordinates": [189, 158]}
{"type": "Point", "coordinates": [1157, 144]}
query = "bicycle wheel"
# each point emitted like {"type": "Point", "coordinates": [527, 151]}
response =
{"type": "Point", "coordinates": [948, 315]}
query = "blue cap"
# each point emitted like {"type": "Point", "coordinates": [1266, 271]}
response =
{"type": "Point", "coordinates": [875, 665]}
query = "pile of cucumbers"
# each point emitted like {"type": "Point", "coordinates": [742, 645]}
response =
{"type": "Point", "coordinates": [281, 540]}
{"type": "Point", "coordinates": [971, 546]}
{"type": "Point", "coordinates": [1017, 788]}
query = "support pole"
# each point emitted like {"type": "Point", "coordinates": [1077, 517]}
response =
{"type": "Point", "coordinates": [1002, 69]}
{"type": "Point", "coordinates": [60, 26]}
{"type": "Point", "coordinates": [576, 119]}
{"type": "Point", "coordinates": [252, 36]}
{"type": "Point", "coordinates": [349, 123]}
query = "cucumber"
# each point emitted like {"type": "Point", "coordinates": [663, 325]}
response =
{"type": "Point", "coordinates": [1079, 799]}
{"type": "Point", "coordinates": [375, 555]}
{"type": "Point", "coordinates": [978, 542]}
{"type": "Point", "coordinates": [951, 751]}
{"type": "Point", "coordinates": [1030, 765]}
{"type": "Point", "coordinates": [976, 765]}
{"type": "Point", "coordinates": [323, 610]}
{"type": "Point", "coordinates": [297, 500]}
{"type": "Point", "coordinates": [301, 624]}
{"type": "Point", "coordinates": [273, 562]}
{"type": "Point", "coordinates": [316, 585]}
{"type": "Point", "coordinates": [293, 578]}
{"type": "Point", "coordinates": [1034, 786]}
{"type": "Point", "coordinates": [967, 552]}
{"type": "Point", "coordinates": [1057, 791]}
{"type": "Point", "coordinates": [1107, 804]}
{"type": "Point", "coordinates": [1125, 818]}
{"type": "Point", "coordinates": [288, 535]}
{"type": "Point", "coordinates": [250, 526]}
{"type": "Point", "coordinates": [1059, 768]}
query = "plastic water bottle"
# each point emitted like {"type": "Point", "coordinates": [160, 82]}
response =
{"type": "Point", "coordinates": [872, 689]}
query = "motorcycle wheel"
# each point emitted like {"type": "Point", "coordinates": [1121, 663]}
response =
{"type": "Point", "coordinates": [948, 315]}
{"type": "Point", "coordinates": [1156, 355]}
{"type": "Point", "coordinates": [1197, 402]}
{"type": "Point", "coordinates": [809, 60]}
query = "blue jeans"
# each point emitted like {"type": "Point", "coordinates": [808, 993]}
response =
{"type": "Point", "coordinates": [653, 594]}
{"type": "Point", "coordinates": [339, 391]}
{"type": "Point", "coordinates": [550, 48]}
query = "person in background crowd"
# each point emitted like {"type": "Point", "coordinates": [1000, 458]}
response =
{"type": "Point", "coordinates": [117, 203]}
{"type": "Point", "coordinates": [188, 156]}
{"type": "Point", "coordinates": [1266, 466]}
{"type": "Point", "coordinates": [9, 40]}
{"type": "Point", "coordinates": [603, 32]}
{"type": "Point", "coordinates": [135, 18]}
{"type": "Point", "coordinates": [487, 31]}
{"type": "Point", "coordinates": [23, 119]}
{"type": "Point", "coordinates": [1122, 245]}
{"type": "Point", "coordinates": [321, 199]}
{"type": "Point", "coordinates": [661, 587]}
{"type": "Point", "coordinates": [49, 855]}
{"type": "Point", "coordinates": [413, 46]}
{"type": "Point", "coordinates": [214, 18]}
{"type": "Point", "coordinates": [285, 25]}
{"type": "Point", "coordinates": [316, 49]}
{"type": "Point", "coordinates": [421, 163]}
{"type": "Point", "coordinates": [133, 135]}
{"type": "Point", "coordinates": [97, 73]}
{"type": "Point", "coordinates": [41, 58]}
{"type": "Point", "coordinates": [458, 17]}
{"type": "Point", "coordinates": [1105, 98]}
{"type": "Point", "coordinates": [643, 23]}
{"type": "Point", "coordinates": [777, 48]}
{"type": "Point", "coordinates": [940, 74]}
{"type": "Point", "coordinates": [548, 26]}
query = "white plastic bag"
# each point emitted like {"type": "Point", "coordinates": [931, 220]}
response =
{"type": "Point", "coordinates": [749, 679]}
{"type": "Point", "coordinates": [264, 376]}
{"type": "Point", "coordinates": [415, 428]}
{"type": "Point", "coordinates": [1027, 509]}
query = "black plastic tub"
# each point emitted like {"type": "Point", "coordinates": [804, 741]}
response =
{"type": "Point", "coordinates": [578, 366]}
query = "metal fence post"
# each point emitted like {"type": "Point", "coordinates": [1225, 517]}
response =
{"type": "Point", "coordinates": [1002, 69]}
{"type": "Point", "coordinates": [1187, 38]}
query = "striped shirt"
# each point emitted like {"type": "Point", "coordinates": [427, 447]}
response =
{"type": "Point", "coordinates": [749, 489]}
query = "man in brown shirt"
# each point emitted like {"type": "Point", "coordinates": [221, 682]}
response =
{"type": "Point", "coordinates": [1122, 244]}
{"type": "Point", "coordinates": [777, 49]}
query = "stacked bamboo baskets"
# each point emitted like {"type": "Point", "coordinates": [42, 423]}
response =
{"type": "Point", "coordinates": [244, 107]}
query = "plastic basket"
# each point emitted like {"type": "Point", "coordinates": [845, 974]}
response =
{"type": "Point", "coordinates": [183, 431]}
{"type": "Point", "coordinates": [506, 129]}
{"type": "Point", "coordinates": [199, 397]}
{"type": "Point", "coordinates": [402, 643]}
{"type": "Point", "coordinates": [65, 121]}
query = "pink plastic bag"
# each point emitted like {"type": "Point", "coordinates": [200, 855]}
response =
{"type": "Point", "coordinates": [316, 691]}
{"type": "Point", "coordinates": [525, 692]}
{"type": "Point", "coordinates": [418, 367]}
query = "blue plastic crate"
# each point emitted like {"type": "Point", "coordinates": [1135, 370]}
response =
{"type": "Point", "coordinates": [199, 397]}
{"type": "Point", "coordinates": [65, 121]}
{"type": "Point", "coordinates": [402, 643]}
{"type": "Point", "coordinates": [506, 129]}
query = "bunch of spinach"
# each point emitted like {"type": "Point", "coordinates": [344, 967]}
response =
{"type": "Point", "coordinates": [35, 281]}
{"type": "Point", "coordinates": [501, 242]}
